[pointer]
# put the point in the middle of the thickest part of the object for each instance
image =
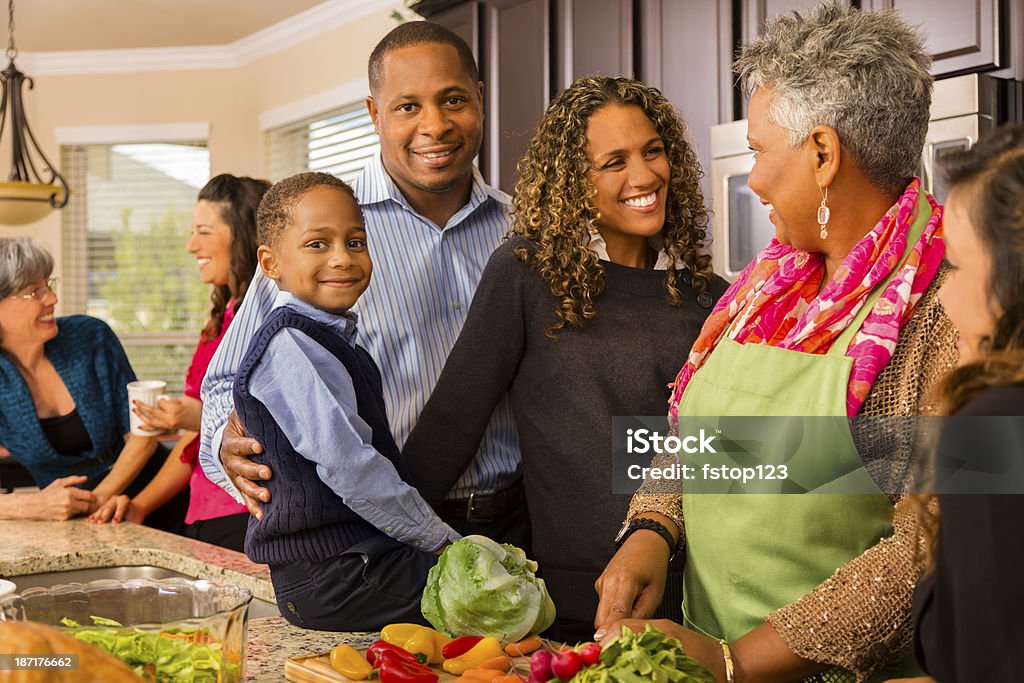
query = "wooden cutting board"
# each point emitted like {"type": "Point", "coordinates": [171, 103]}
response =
{"type": "Point", "coordinates": [318, 669]}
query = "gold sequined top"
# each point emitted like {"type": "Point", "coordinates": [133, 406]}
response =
{"type": "Point", "coordinates": [859, 619]}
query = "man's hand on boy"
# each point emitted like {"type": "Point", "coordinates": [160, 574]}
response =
{"type": "Point", "coordinates": [236, 449]}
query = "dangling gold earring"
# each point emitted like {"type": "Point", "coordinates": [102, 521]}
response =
{"type": "Point", "coordinates": [823, 214]}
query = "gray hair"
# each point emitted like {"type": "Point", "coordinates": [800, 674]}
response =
{"type": "Point", "coordinates": [864, 74]}
{"type": "Point", "coordinates": [23, 261]}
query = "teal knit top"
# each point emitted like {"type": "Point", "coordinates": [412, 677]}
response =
{"type": "Point", "coordinates": [89, 358]}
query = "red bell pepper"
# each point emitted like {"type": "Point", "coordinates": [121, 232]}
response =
{"type": "Point", "coordinates": [393, 668]}
{"type": "Point", "coordinates": [460, 646]}
{"type": "Point", "coordinates": [374, 652]}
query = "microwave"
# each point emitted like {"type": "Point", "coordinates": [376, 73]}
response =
{"type": "Point", "coordinates": [964, 109]}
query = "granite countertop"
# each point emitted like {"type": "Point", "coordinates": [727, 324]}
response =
{"type": "Point", "coordinates": [28, 547]}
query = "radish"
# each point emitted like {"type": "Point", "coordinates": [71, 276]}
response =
{"type": "Point", "coordinates": [566, 664]}
{"type": "Point", "coordinates": [540, 666]}
{"type": "Point", "coordinates": [590, 654]}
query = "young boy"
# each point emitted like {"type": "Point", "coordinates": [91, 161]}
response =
{"type": "Point", "coordinates": [348, 542]}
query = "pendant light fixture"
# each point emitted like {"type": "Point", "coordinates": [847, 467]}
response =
{"type": "Point", "coordinates": [34, 187]}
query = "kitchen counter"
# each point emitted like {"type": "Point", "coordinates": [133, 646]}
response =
{"type": "Point", "coordinates": [28, 547]}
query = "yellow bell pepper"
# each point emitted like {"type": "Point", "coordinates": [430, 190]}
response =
{"type": "Point", "coordinates": [397, 634]}
{"type": "Point", "coordinates": [425, 642]}
{"type": "Point", "coordinates": [349, 662]}
{"type": "Point", "coordinates": [488, 648]}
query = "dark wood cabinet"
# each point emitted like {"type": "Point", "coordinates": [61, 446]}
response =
{"type": "Point", "coordinates": [686, 52]}
{"type": "Point", "coordinates": [531, 49]}
{"type": "Point", "coordinates": [516, 61]}
{"type": "Point", "coordinates": [592, 37]}
{"type": "Point", "coordinates": [962, 36]}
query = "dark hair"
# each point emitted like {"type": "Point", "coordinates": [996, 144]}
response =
{"type": "Point", "coordinates": [419, 33]}
{"type": "Point", "coordinates": [275, 209]}
{"type": "Point", "coordinates": [554, 204]}
{"type": "Point", "coordinates": [991, 176]}
{"type": "Point", "coordinates": [237, 199]}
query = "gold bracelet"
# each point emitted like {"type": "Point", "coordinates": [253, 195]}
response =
{"type": "Point", "coordinates": [730, 672]}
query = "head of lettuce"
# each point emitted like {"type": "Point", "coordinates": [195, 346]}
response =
{"type": "Point", "coordinates": [479, 587]}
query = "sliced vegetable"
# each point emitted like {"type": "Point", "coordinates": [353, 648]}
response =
{"type": "Point", "coordinates": [349, 662]}
{"type": "Point", "coordinates": [488, 648]}
{"type": "Point", "coordinates": [174, 655]}
{"type": "Point", "coordinates": [460, 646]}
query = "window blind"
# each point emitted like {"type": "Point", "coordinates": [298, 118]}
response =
{"type": "Point", "coordinates": [124, 232]}
{"type": "Point", "coordinates": [338, 142]}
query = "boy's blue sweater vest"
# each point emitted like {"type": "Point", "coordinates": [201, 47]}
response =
{"type": "Point", "coordinates": [305, 519]}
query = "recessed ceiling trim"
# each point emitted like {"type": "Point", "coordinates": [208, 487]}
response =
{"type": "Point", "coordinates": [345, 94]}
{"type": "Point", "coordinates": [124, 134]}
{"type": "Point", "coordinates": [265, 42]}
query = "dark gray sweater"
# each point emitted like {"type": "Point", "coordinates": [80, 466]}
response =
{"type": "Point", "coordinates": [564, 393]}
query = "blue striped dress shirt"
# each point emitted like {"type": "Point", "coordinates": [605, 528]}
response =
{"type": "Point", "coordinates": [423, 281]}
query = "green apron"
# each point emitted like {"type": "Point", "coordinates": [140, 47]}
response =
{"type": "Point", "coordinates": [751, 554]}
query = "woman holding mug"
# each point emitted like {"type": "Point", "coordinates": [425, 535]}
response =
{"type": "Point", "coordinates": [224, 243]}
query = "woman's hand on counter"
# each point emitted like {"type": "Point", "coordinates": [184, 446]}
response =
{"type": "Point", "coordinates": [61, 500]}
{"type": "Point", "coordinates": [117, 509]}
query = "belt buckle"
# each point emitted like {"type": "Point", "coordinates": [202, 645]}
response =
{"type": "Point", "coordinates": [469, 510]}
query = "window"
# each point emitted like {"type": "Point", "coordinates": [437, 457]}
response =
{"type": "Point", "coordinates": [125, 227]}
{"type": "Point", "coordinates": [338, 142]}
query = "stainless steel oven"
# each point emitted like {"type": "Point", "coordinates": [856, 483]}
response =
{"type": "Point", "coordinates": [964, 109]}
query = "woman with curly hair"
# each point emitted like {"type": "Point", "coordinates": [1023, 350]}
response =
{"type": "Point", "coordinates": [578, 318]}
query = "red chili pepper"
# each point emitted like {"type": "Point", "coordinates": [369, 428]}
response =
{"type": "Point", "coordinates": [393, 669]}
{"type": "Point", "coordinates": [374, 652]}
{"type": "Point", "coordinates": [460, 646]}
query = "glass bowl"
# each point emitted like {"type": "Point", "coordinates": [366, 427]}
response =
{"type": "Point", "coordinates": [189, 625]}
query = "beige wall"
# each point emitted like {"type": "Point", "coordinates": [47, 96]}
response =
{"type": "Point", "coordinates": [229, 100]}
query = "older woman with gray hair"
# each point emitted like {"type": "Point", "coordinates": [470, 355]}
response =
{"type": "Point", "coordinates": [64, 412]}
{"type": "Point", "coordinates": [837, 316]}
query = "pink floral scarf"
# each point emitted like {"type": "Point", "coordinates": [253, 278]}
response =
{"type": "Point", "coordinates": [776, 301]}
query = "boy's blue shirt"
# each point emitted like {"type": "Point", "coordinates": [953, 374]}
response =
{"type": "Point", "coordinates": [311, 397]}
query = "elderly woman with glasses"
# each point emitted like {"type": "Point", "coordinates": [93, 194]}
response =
{"type": "Point", "coordinates": [64, 411]}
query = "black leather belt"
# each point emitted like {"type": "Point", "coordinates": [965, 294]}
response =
{"type": "Point", "coordinates": [483, 507]}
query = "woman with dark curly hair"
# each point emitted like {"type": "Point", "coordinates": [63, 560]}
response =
{"type": "Point", "coordinates": [578, 318]}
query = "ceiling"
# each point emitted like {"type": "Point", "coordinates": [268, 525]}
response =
{"type": "Point", "coordinates": [56, 25]}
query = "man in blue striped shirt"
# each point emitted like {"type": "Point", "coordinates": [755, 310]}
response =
{"type": "Point", "coordinates": [432, 224]}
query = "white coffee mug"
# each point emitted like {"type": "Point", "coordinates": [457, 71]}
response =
{"type": "Point", "coordinates": [144, 391]}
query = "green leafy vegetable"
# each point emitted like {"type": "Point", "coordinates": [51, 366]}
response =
{"type": "Point", "coordinates": [174, 655]}
{"type": "Point", "coordinates": [640, 657]}
{"type": "Point", "coordinates": [479, 587]}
